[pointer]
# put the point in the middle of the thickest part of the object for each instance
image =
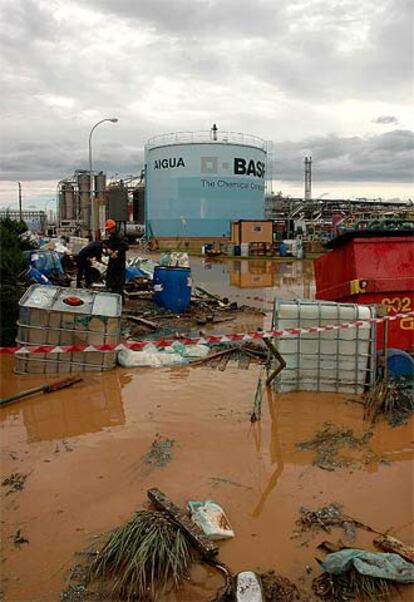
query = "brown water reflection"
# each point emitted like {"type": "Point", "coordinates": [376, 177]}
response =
{"type": "Point", "coordinates": [276, 456]}
{"type": "Point", "coordinates": [70, 413]}
{"type": "Point", "coordinates": [262, 278]}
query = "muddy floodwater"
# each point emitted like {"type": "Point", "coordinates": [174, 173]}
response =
{"type": "Point", "coordinates": [83, 452]}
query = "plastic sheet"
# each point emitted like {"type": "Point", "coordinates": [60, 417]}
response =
{"type": "Point", "coordinates": [153, 357]}
{"type": "Point", "coordinates": [174, 259]}
{"type": "Point", "coordinates": [46, 262]}
{"type": "Point", "coordinates": [374, 564]}
{"type": "Point", "coordinates": [132, 272]}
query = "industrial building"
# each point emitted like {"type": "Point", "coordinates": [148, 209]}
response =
{"type": "Point", "coordinates": [109, 200]}
{"type": "Point", "coordinates": [196, 183]}
{"type": "Point", "coordinates": [35, 220]}
{"type": "Point", "coordinates": [75, 204]}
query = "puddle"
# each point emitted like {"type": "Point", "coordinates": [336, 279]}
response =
{"type": "Point", "coordinates": [255, 472]}
{"type": "Point", "coordinates": [256, 281]}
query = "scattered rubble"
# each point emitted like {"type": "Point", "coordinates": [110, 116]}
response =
{"type": "Point", "coordinates": [352, 585]}
{"type": "Point", "coordinates": [77, 589]}
{"type": "Point", "coordinates": [160, 453]}
{"type": "Point", "coordinates": [206, 309]}
{"type": "Point", "coordinates": [19, 539]}
{"type": "Point", "coordinates": [16, 482]}
{"type": "Point", "coordinates": [276, 587]}
{"type": "Point", "coordinates": [330, 439]}
{"type": "Point", "coordinates": [394, 400]}
{"type": "Point", "coordinates": [322, 519]}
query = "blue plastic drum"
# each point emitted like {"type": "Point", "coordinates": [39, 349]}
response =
{"type": "Point", "coordinates": [172, 288]}
{"type": "Point", "coordinates": [400, 363]}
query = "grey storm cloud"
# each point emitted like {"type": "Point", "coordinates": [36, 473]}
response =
{"type": "Point", "coordinates": [386, 120]}
{"type": "Point", "coordinates": [202, 18]}
{"type": "Point", "coordinates": [308, 75]}
{"type": "Point", "coordinates": [383, 158]}
{"type": "Point", "coordinates": [387, 157]}
{"type": "Point", "coordinates": [318, 48]}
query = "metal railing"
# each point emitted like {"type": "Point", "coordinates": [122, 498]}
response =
{"type": "Point", "coordinates": [206, 136]}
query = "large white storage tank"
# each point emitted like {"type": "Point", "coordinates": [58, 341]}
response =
{"type": "Point", "coordinates": [197, 182]}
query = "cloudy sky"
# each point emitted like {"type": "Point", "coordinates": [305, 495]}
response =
{"type": "Point", "coordinates": [331, 78]}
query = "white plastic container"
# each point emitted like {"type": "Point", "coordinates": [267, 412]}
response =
{"type": "Point", "coordinates": [248, 587]}
{"type": "Point", "coordinates": [45, 318]}
{"type": "Point", "coordinates": [244, 249]}
{"type": "Point", "coordinates": [341, 360]}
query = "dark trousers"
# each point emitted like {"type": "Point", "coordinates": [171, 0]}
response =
{"type": "Point", "coordinates": [84, 269]}
{"type": "Point", "coordinates": [115, 276]}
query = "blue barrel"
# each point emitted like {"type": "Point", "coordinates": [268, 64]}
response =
{"type": "Point", "coordinates": [172, 288]}
{"type": "Point", "coordinates": [282, 250]}
{"type": "Point", "coordinates": [400, 363]}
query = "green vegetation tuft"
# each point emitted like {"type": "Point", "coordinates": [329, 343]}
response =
{"type": "Point", "coordinates": [11, 265]}
{"type": "Point", "coordinates": [142, 557]}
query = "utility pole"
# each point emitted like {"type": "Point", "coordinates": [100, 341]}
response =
{"type": "Point", "coordinates": [308, 178]}
{"type": "Point", "coordinates": [19, 184]}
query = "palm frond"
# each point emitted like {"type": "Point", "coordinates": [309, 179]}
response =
{"type": "Point", "coordinates": [141, 558]}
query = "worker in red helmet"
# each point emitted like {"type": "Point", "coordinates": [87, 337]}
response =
{"type": "Point", "coordinates": [116, 248]}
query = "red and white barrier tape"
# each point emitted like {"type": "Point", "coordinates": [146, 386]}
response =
{"type": "Point", "coordinates": [205, 340]}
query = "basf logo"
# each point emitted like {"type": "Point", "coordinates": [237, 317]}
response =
{"type": "Point", "coordinates": [239, 166]}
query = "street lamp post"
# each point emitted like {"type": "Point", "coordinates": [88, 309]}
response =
{"type": "Point", "coordinates": [91, 183]}
{"type": "Point", "coordinates": [19, 184]}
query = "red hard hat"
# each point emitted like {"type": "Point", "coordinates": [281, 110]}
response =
{"type": "Point", "coordinates": [110, 223]}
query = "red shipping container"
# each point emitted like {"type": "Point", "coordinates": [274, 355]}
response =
{"type": "Point", "coordinates": [371, 267]}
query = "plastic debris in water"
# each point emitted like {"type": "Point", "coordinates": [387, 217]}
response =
{"type": "Point", "coordinates": [211, 518]}
{"type": "Point", "coordinates": [248, 587]}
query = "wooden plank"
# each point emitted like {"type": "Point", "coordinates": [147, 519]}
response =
{"type": "Point", "coordinates": [142, 321]}
{"type": "Point", "coordinates": [212, 356]}
{"type": "Point", "coordinates": [139, 294]}
{"type": "Point", "coordinates": [218, 320]}
{"type": "Point", "coordinates": [390, 544]}
{"type": "Point", "coordinates": [205, 546]}
{"type": "Point", "coordinates": [47, 388]}
{"type": "Point", "coordinates": [260, 353]}
{"type": "Point", "coordinates": [208, 294]}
